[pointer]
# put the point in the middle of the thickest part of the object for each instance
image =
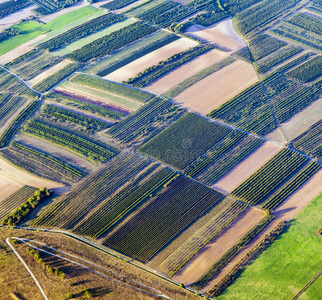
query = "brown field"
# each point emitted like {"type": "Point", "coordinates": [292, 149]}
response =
{"type": "Point", "coordinates": [287, 211]}
{"type": "Point", "coordinates": [53, 16]}
{"type": "Point", "coordinates": [247, 167]}
{"type": "Point", "coordinates": [49, 72]}
{"type": "Point", "coordinates": [8, 186]}
{"type": "Point", "coordinates": [222, 34]}
{"type": "Point", "coordinates": [15, 17]}
{"type": "Point", "coordinates": [21, 177]}
{"type": "Point", "coordinates": [217, 88]}
{"type": "Point", "coordinates": [187, 70]}
{"type": "Point", "coordinates": [20, 50]}
{"type": "Point", "coordinates": [216, 248]}
{"type": "Point", "coordinates": [153, 58]}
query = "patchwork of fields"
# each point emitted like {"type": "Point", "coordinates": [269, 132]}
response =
{"type": "Point", "coordinates": [183, 137]}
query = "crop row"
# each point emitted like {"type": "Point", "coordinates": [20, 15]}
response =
{"type": "Point", "coordinates": [34, 64]}
{"type": "Point", "coordinates": [295, 62]}
{"type": "Point", "coordinates": [111, 87]}
{"type": "Point", "coordinates": [17, 198]}
{"type": "Point", "coordinates": [8, 105]}
{"type": "Point", "coordinates": [56, 78]}
{"type": "Point", "coordinates": [117, 207]}
{"type": "Point", "coordinates": [232, 252]}
{"type": "Point", "coordinates": [229, 159]}
{"type": "Point", "coordinates": [55, 112]}
{"type": "Point", "coordinates": [42, 163]}
{"type": "Point", "coordinates": [151, 14]}
{"type": "Point", "coordinates": [184, 146]}
{"type": "Point", "coordinates": [236, 6]}
{"type": "Point", "coordinates": [308, 71]}
{"type": "Point", "coordinates": [117, 4]}
{"type": "Point", "coordinates": [229, 141]}
{"type": "Point", "coordinates": [152, 73]}
{"type": "Point", "coordinates": [82, 145]}
{"type": "Point", "coordinates": [80, 31]}
{"type": "Point", "coordinates": [146, 122]}
{"type": "Point", "coordinates": [46, 7]}
{"type": "Point", "coordinates": [280, 55]}
{"type": "Point", "coordinates": [14, 126]}
{"type": "Point", "coordinates": [9, 7]}
{"type": "Point", "coordinates": [176, 260]}
{"type": "Point", "coordinates": [254, 189]}
{"type": "Point", "coordinates": [247, 259]}
{"type": "Point", "coordinates": [292, 186]}
{"type": "Point", "coordinates": [262, 45]}
{"type": "Point", "coordinates": [163, 219]}
{"type": "Point", "coordinates": [111, 42]}
{"type": "Point", "coordinates": [8, 32]}
{"type": "Point", "coordinates": [89, 192]}
{"type": "Point", "coordinates": [261, 14]}
{"type": "Point", "coordinates": [86, 104]}
{"type": "Point", "coordinates": [307, 22]}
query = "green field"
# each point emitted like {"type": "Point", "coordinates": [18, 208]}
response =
{"type": "Point", "coordinates": [30, 30]}
{"type": "Point", "coordinates": [286, 266]}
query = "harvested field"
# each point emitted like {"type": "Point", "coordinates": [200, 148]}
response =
{"type": "Point", "coordinates": [222, 34]}
{"type": "Point", "coordinates": [53, 16]}
{"type": "Point", "coordinates": [217, 88]}
{"type": "Point", "coordinates": [99, 95]}
{"type": "Point", "coordinates": [21, 177]}
{"type": "Point", "coordinates": [185, 71]}
{"type": "Point", "coordinates": [49, 72]}
{"type": "Point", "coordinates": [20, 50]}
{"type": "Point", "coordinates": [277, 136]}
{"type": "Point", "coordinates": [8, 186]}
{"type": "Point", "coordinates": [247, 167]}
{"type": "Point", "coordinates": [216, 248]}
{"type": "Point", "coordinates": [153, 58]}
{"type": "Point", "coordinates": [15, 17]}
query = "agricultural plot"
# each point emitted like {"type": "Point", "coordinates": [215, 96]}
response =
{"type": "Point", "coordinates": [260, 184]}
{"type": "Point", "coordinates": [222, 34]}
{"type": "Point", "coordinates": [8, 186]}
{"type": "Point", "coordinates": [295, 62]}
{"type": "Point", "coordinates": [9, 7]}
{"type": "Point", "coordinates": [87, 105]}
{"type": "Point", "coordinates": [286, 259]}
{"type": "Point", "coordinates": [42, 164]}
{"type": "Point", "coordinates": [310, 141]}
{"type": "Point", "coordinates": [146, 122]}
{"type": "Point", "coordinates": [177, 80]}
{"type": "Point", "coordinates": [8, 106]}
{"type": "Point", "coordinates": [183, 147]}
{"type": "Point", "coordinates": [203, 96]}
{"type": "Point", "coordinates": [307, 22]}
{"type": "Point", "coordinates": [133, 195]}
{"type": "Point", "coordinates": [150, 59]}
{"type": "Point", "coordinates": [72, 207]}
{"type": "Point", "coordinates": [145, 6]}
{"type": "Point", "coordinates": [49, 7]}
{"type": "Point", "coordinates": [81, 144]}
{"type": "Point", "coordinates": [163, 219]}
{"type": "Point", "coordinates": [16, 199]}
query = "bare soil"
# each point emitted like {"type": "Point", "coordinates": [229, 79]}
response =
{"type": "Point", "coordinates": [187, 70]}
{"type": "Point", "coordinates": [216, 248]}
{"type": "Point", "coordinates": [247, 167]}
{"type": "Point", "coordinates": [217, 88]}
{"type": "Point", "coordinates": [8, 187]}
{"type": "Point", "coordinates": [153, 58]}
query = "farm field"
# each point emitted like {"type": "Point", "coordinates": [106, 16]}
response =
{"type": "Point", "coordinates": [8, 186]}
{"type": "Point", "coordinates": [170, 80]}
{"type": "Point", "coordinates": [204, 96]}
{"type": "Point", "coordinates": [286, 260]}
{"type": "Point", "coordinates": [139, 65]}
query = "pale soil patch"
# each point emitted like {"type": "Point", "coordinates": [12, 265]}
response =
{"type": "Point", "coordinates": [247, 167]}
{"type": "Point", "coordinates": [21, 177]}
{"type": "Point", "coordinates": [15, 17]}
{"type": "Point", "coordinates": [287, 211]}
{"type": "Point", "coordinates": [216, 248]}
{"type": "Point", "coordinates": [153, 58]}
{"type": "Point", "coordinates": [49, 72]}
{"type": "Point", "coordinates": [217, 88]}
{"type": "Point", "coordinates": [8, 187]}
{"type": "Point", "coordinates": [276, 136]}
{"type": "Point", "coordinates": [223, 34]}
{"type": "Point", "coordinates": [123, 9]}
{"type": "Point", "coordinates": [20, 50]}
{"type": "Point", "coordinates": [46, 146]}
{"type": "Point", "coordinates": [100, 96]}
{"type": "Point", "coordinates": [302, 120]}
{"type": "Point", "coordinates": [187, 70]}
{"type": "Point", "coordinates": [47, 19]}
